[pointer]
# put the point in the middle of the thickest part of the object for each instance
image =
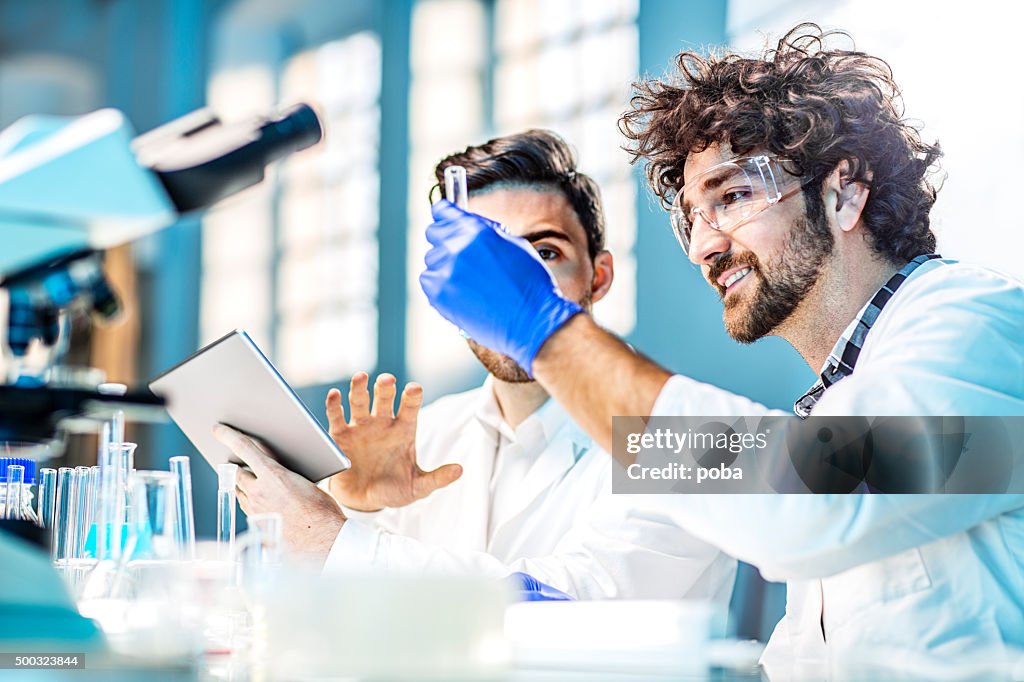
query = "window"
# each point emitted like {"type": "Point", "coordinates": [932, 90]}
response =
{"type": "Point", "coordinates": [446, 113]}
{"type": "Point", "coordinates": [563, 65]}
{"type": "Point", "coordinates": [294, 260]}
{"type": "Point", "coordinates": [578, 58]}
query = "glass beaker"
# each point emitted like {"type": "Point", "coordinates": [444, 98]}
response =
{"type": "Point", "coordinates": [263, 540]}
{"type": "Point", "coordinates": [154, 515]}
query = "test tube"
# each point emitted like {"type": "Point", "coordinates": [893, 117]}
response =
{"type": "Point", "coordinates": [62, 520]}
{"type": "Point", "coordinates": [47, 496]}
{"type": "Point", "coordinates": [455, 186]}
{"type": "Point", "coordinates": [186, 529]}
{"type": "Point", "coordinates": [105, 503]}
{"type": "Point", "coordinates": [456, 191]}
{"type": "Point", "coordinates": [227, 475]}
{"type": "Point", "coordinates": [15, 481]}
{"type": "Point", "coordinates": [81, 511]}
{"type": "Point", "coordinates": [117, 426]}
{"type": "Point", "coordinates": [116, 462]}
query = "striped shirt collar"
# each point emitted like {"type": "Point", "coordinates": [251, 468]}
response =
{"type": "Point", "coordinates": [843, 358]}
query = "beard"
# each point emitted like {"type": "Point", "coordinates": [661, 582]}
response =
{"type": "Point", "coordinates": [504, 368]}
{"type": "Point", "coordinates": [780, 285]}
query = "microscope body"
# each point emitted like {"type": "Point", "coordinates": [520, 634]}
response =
{"type": "Point", "coordinates": [71, 188]}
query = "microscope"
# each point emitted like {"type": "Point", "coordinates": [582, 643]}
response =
{"type": "Point", "coordinates": [69, 190]}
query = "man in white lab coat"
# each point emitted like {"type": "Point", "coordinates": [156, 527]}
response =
{"type": "Point", "coordinates": [498, 479]}
{"type": "Point", "coordinates": [794, 184]}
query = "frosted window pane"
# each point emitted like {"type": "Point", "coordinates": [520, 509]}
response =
{"type": "Point", "coordinates": [447, 36]}
{"type": "Point", "coordinates": [516, 24]}
{"type": "Point", "coordinates": [560, 18]}
{"type": "Point", "coordinates": [445, 106]}
{"type": "Point", "coordinates": [323, 268]}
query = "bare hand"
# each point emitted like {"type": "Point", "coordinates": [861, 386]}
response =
{"type": "Point", "coordinates": [382, 447]}
{"type": "Point", "coordinates": [311, 520]}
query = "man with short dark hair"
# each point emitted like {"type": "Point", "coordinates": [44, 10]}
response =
{"type": "Point", "coordinates": [497, 479]}
{"type": "Point", "coordinates": [795, 185]}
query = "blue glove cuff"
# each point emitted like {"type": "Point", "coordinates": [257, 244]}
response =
{"type": "Point", "coordinates": [554, 313]}
{"type": "Point", "coordinates": [531, 589]}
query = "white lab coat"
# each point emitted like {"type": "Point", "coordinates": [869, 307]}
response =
{"type": "Point", "coordinates": [565, 527]}
{"type": "Point", "coordinates": [940, 574]}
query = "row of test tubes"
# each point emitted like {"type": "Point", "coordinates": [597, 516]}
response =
{"type": "Point", "coordinates": [93, 512]}
{"type": "Point", "coordinates": [113, 513]}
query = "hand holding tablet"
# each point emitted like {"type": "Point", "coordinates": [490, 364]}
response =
{"type": "Point", "coordinates": [232, 382]}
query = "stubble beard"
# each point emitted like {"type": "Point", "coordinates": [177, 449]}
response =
{"type": "Point", "coordinates": [504, 368]}
{"type": "Point", "coordinates": [780, 286]}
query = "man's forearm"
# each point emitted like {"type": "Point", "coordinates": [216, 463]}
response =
{"type": "Point", "coordinates": [595, 376]}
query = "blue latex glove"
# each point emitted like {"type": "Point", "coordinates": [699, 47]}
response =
{"type": "Point", "coordinates": [531, 589]}
{"type": "Point", "coordinates": [492, 285]}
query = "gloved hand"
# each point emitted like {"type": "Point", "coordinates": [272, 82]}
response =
{"type": "Point", "coordinates": [531, 589]}
{"type": "Point", "coordinates": [492, 285]}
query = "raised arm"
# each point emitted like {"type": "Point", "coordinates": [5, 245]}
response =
{"type": "Point", "coordinates": [497, 289]}
{"type": "Point", "coordinates": [596, 376]}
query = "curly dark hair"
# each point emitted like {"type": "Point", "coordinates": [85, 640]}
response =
{"type": "Point", "coordinates": [812, 106]}
{"type": "Point", "coordinates": [533, 158]}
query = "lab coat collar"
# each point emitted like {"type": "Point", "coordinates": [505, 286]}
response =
{"type": "Point", "coordinates": [841, 360]}
{"type": "Point", "coordinates": [913, 269]}
{"type": "Point", "coordinates": [539, 430]}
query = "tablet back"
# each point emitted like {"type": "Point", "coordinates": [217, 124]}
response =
{"type": "Point", "coordinates": [231, 382]}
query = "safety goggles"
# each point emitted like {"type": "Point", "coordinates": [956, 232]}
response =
{"type": "Point", "coordinates": [730, 194]}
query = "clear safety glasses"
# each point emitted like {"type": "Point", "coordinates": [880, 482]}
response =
{"type": "Point", "coordinates": [730, 194]}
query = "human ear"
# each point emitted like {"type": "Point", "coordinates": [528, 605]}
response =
{"type": "Point", "coordinates": [851, 196]}
{"type": "Point", "coordinates": [604, 273]}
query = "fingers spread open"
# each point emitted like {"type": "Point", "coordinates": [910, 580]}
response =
{"type": "Point", "coordinates": [384, 396]}
{"type": "Point", "coordinates": [335, 412]}
{"type": "Point", "coordinates": [412, 401]}
{"type": "Point", "coordinates": [359, 396]}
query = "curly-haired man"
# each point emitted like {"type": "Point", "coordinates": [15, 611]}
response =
{"type": "Point", "coordinates": [794, 183]}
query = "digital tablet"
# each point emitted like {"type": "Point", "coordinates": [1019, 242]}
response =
{"type": "Point", "coordinates": [232, 382]}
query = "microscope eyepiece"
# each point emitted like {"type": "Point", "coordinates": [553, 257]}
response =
{"type": "Point", "coordinates": [296, 129]}
{"type": "Point", "coordinates": [200, 160]}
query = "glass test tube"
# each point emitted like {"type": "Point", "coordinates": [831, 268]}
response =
{"type": "Point", "coordinates": [62, 512]}
{"type": "Point", "coordinates": [125, 454]}
{"type": "Point", "coordinates": [117, 427]}
{"type": "Point", "coordinates": [456, 191]}
{"type": "Point", "coordinates": [227, 475]}
{"type": "Point", "coordinates": [455, 186]}
{"type": "Point", "coordinates": [12, 497]}
{"type": "Point", "coordinates": [115, 466]}
{"type": "Point", "coordinates": [105, 502]}
{"type": "Point", "coordinates": [47, 496]}
{"type": "Point", "coordinates": [81, 510]}
{"type": "Point", "coordinates": [94, 505]}
{"type": "Point", "coordinates": [186, 530]}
